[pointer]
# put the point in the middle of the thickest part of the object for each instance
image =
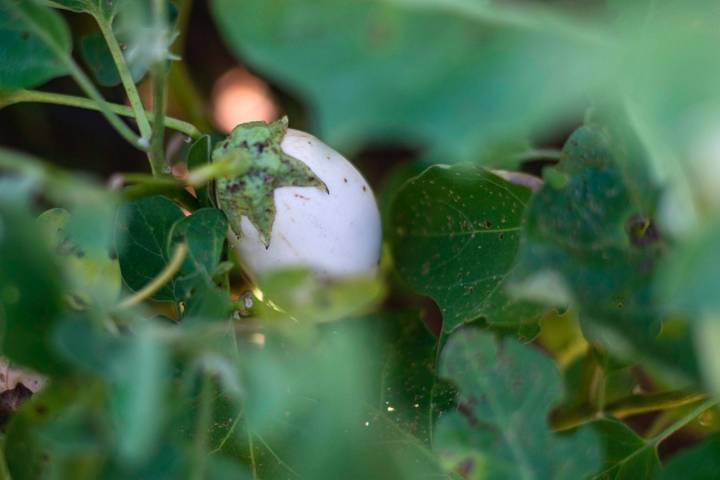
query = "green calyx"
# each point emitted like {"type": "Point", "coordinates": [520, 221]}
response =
{"type": "Point", "coordinates": [256, 145]}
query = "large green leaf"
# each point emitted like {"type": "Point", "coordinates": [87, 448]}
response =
{"type": "Point", "coordinates": [455, 234]}
{"type": "Point", "coordinates": [428, 72]}
{"type": "Point", "coordinates": [34, 39]}
{"type": "Point", "coordinates": [500, 429]}
{"type": "Point", "coordinates": [591, 241]}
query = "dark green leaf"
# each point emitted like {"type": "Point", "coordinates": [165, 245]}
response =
{"type": "Point", "coordinates": [204, 232]}
{"type": "Point", "coordinates": [34, 40]}
{"type": "Point", "coordinates": [144, 228]}
{"type": "Point", "coordinates": [199, 155]}
{"type": "Point", "coordinates": [627, 456]}
{"type": "Point", "coordinates": [592, 242]}
{"type": "Point", "coordinates": [500, 429]}
{"type": "Point", "coordinates": [207, 304]}
{"type": "Point", "coordinates": [455, 235]}
{"type": "Point", "coordinates": [700, 462]}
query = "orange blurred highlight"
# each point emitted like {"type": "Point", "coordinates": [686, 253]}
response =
{"type": "Point", "coordinates": [238, 97]}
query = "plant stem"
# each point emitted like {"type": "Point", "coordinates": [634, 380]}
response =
{"type": "Point", "coordinates": [125, 77]}
{"type": "Point", "coordinates": [37, 96]}
{"type": "Point", "coordinates": [624, 407]}
{"type": "Point", "coordinates": [159, 85]}
{"type": "Point", "coordinates": [157, 283]}
{"type": "Point", "coordinates": [251, 449]}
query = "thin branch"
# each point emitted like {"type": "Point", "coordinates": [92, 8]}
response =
{"type": "Point", "coordinates": [125, 77]}
{"type": "Point", "coordinates": [157, 283]}
{"type": "Point", "coordinates": [37, 96]}
{"type": "Point", "coordinates": [624, 407]}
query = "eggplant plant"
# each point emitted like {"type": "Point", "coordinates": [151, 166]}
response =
{"type": "Point", "coordinates": [532, 294]}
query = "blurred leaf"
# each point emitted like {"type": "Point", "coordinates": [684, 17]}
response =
{"type": "Point", "coordinates": [455, 235]}
{"type": "Point", "coordinates": [34, 39]}
{"type": "Point", "coordinates": [208, 304]}
{"type": "Point", "coordinates": [299, 295]}
{"type": "Point", "coordinates": [626, 455]}
{"type": "Point", "coordinates": [699, 462]}
{"type": "Point", "coordinates": [97, 56]}
{"type": "Point", "coordinates": [93, 274]}
{"type": "Point", "coordinates": [500, 429]}
{"type": "Point", "coordinates": [56, 434]}
{"type": "Point", "coordinates": [688, 281]}
{"type": "Point", "coordinates": [136, 373]}
{"type": "Point", "coordinates": [374, 68]}
{"type": "Point", "coordinates": [30, 292]}
{"type": "Point", "coordinates": [590, 242]}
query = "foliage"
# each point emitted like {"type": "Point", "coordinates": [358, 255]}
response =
{"type": "Point", "coordinates": [566, 311]}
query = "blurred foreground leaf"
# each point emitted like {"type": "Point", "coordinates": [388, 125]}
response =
{"type": "Point", "coordinates": [33, 38]}
{"type": "Point", "coordinates": [500, 428]}
{"type": "Point", "coordinates": [591, 241]}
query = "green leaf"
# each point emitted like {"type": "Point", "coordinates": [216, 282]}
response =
{"type": "Point", "coordinates": [34, 39]}
{"type": "Point", "coordinates": [410, 395]}
{"type": "Point", "coordinates": [455, 235]}
{"type": "Point", "coordinates": [143, 232]}
{"type": "Point", "coordinates": [149, 228]}
{"type": "Point", "coordinates": [92, 271]}
{"type": "Point", "coordinates": [500, 429]}
{"type": "Point", "coordinates": [699, 462]}
{"type": "Point", "coordinates": [204, 232]}
{"type": "Point", "coordinates": [592, 242]}
{"type": "Point", "coordinates": [97, 56]}
{"type": "Point", "coordinates": [31, 292]}
{"type": "Point", "coordinates": [207, 304]}
{"type": "Point", "coordinates": [299, 295]}
{"type": "Point", "coordinates": [627, 456]}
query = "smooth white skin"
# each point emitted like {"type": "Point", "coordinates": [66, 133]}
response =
{"type": "Point", "coordinates": [337, 235]}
